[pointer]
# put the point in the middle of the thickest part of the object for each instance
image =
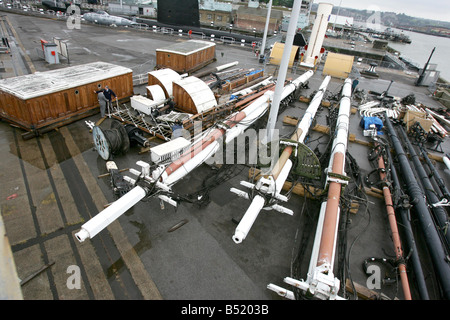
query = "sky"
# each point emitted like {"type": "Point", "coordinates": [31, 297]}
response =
{"type": "Point", "coordinates": [432, 9]}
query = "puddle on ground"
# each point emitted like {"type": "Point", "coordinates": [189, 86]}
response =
{"type": "Point", "coordinates": [140, 247]}
{"type": "Point", "coordinates": [123, 57]}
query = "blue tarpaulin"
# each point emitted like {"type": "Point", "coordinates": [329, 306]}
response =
{"type": "Point", "coordinates": [367, 121]}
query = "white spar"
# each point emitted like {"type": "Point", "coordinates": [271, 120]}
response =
{"type": "Point", "coordinates": [446, 161]}
{"type": "Point", "coordinates": [104, 218]}
{"type": "Point", "coordinates": [274, 183]}
{"type": "Point", "coordinates": [206, 149]}
{"type": "Point", "coordinates": [164, 177]}
{"type": "Point", "coordinates": [321, 282]}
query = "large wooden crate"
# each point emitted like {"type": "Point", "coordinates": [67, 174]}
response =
{"type": "Point", "coordinates": [53, 98]}
{"type": "Point", "coordinates": [411, 117]}
{"type": "Point", "coordinates": [192, 95]}
{"type": "Point", "coordinates": [164, 78]}
{"type": "Point", "coordinates": [187, 56]}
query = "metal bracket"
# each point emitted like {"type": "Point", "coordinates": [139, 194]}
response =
{"type": "Point", "coordinates": [308, 165]}
{"type": "Point", "coordinates": [323, 285]}
{"type": "Point", "coordinates": [267, 187]}
{"type": "Point", "coordinates": [339, 178]}
{"type": "Point", "coordinates": [444, 202]}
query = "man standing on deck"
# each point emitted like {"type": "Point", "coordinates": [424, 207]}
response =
{"type": "Point", "coordinates": [108, 93]}
{"type": "Point", "coordinates": [354, 84]}
{"type": "Point", "coordinates": [102, 101]}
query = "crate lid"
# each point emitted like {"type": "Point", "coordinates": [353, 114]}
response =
{"type": "Point", "coordinates": [47, 82]}
{"type": "Point", "coordinates": [187, 47]}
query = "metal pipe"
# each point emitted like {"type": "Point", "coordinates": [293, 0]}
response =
{"type": "Point", "coordinates": [281, 291]}
{"type": "Point", "coordinates": [431, 236]}
{"type": "Point", "coordinates": [439, 213]}
{"type": "Point", "coordinates": [422, 75]}
{"type": "Point", "coordinates": [303, 125]}
{"type": "Point", "coordinates": [256, 206]}
{"type": "Point", "coordinates": [403, 209]}
{"type": "Point", "coordinates": [437, 177]}
{"type": "Point", "coordinates": [394, 229]}
{"type": "Point", "coordinates": [446, 160]}
{"type": "Point", "coordinates": [227, 65]}
{"type": "Point", "coordinates": [104, 218]}
{"type": "Point", "coordinates": [266, 28]}
{"type": "Point", "coordinates": [273, 114]}
{"type": "Point", "coordinates": [282, 167]}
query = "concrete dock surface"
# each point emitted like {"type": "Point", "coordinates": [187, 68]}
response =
{"type": "Point", "coordinates": [51, 186]}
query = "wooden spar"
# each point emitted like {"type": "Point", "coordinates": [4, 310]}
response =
{"type": "Point", "coordinates": [321, 282]}
{"type": "Point", "coordinates": [336, 168]}
{"type": "Point", "coordinates": [163, 177]}
{"type": "Point", "coordinates": [204, 142]}
{"type": "Point", "coordinates": [328, 240]}
{"type": "Point", "coordinates": [394, 230]}
{"type": "Point", "coordinates": [280, 171]}
{"type": "Point", "coordinates": [302, 128]}
{"type": "Point", "coordinates": [209, 143]}
{"type": "Point", "coordinates": [432, 238]}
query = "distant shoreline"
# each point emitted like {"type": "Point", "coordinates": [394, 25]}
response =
{"type": "Point", "coordinates": [424, 32]}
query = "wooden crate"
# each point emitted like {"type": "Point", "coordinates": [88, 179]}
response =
{"type": "Point", "coordinates": [58, 97]}
{"type": "Point", "coordinates": [187, 56]}
{"type": "Point", "coordinates": [192, 95]}
{"type": "Point", "coordinates": [411, 117]}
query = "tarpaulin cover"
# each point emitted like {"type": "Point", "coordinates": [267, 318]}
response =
{"type": "Point", "coordinates": [367, 121]}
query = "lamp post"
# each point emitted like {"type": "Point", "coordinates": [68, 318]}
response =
{"type": "Point", "coordinates": [263, 45]}
{"type": "Point", "coordinates": [273, 115]}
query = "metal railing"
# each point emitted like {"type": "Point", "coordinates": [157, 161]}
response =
{"type": "Point", "coordinates": [33, 10]}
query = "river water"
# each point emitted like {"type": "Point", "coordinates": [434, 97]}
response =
{"type": "Point", "coordinates": [420, 48]}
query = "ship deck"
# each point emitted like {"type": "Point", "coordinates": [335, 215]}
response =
{"type": "Point", "coordinates": [52, 184]}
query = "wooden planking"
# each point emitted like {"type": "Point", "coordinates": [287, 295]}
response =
{"type": "Point", "coordinates": [46, 110]}
{"type": "Point", "coordinates": [229, 86]}
{"type": "Point", "coordinates": [326, 130]}
{"type": "Point", "coordinates": [363, 292]}
{"type": "Point", "coordinates": [185, 63]}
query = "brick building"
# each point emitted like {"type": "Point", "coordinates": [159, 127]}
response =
{"type": "Point", "coordinates": [255, 19]}
{"type": "Point", "coordinates": [216, 14]}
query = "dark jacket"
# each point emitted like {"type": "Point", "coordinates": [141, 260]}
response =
{"type": "Point", "coordinates": [107, 93]}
